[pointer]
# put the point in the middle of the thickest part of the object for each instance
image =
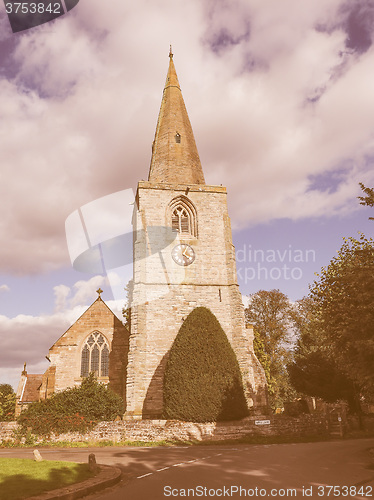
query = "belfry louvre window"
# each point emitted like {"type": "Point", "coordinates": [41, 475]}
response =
{"type": "Point", "coordinates": [181, 221]}
{"type": "Point", "coordinates": [183, 217]}
{"type": "Point", "coordinates": [95, 356]}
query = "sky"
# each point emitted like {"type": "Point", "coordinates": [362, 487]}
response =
{"type": "Point", "coordinates": [280, 97]}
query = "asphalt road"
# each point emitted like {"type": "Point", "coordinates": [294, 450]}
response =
{"type": "Point", "coordinates": [244, 471]}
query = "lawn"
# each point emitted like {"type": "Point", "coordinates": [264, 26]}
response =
{"type": "Point", "coordinates": [20, 478]}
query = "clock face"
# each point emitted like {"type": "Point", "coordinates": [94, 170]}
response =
{"type": "Point", "coordinates": [183, 254]}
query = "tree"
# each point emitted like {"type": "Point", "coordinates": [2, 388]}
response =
{"type": "Point", "coordinates": [272, 315]}
{"type": "Point", "coordinates": [263, 357]}
{"type": "Point", "coordinates": [7, 402]}
{"type": "Point", "coordinates": [343, 303]}
{"type": "Point", "coordinates": [314, 371]}
{"type": "Point", "coordinates": [367, 200]}
{"type": "Point", "coordinates": [202, 380]}
{"type": "Point", "coordinates": [126, 310]}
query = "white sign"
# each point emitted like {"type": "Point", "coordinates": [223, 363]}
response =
{"type": "Point", "coordinates": [262, 422]}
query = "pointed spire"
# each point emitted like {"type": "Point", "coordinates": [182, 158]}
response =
{"type": "Point", "coordinates": [175, 159]}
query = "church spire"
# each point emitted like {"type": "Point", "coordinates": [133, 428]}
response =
{"type": "Point", "coordinates": [175, 159]}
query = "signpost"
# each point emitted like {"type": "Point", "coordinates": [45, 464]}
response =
{"type": "Point", "coordinates": [262, 422]}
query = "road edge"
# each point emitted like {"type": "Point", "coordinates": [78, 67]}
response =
{"type": "Point", "coordinates": [108, 476]}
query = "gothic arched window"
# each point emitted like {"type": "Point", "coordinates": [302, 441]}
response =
{"type": "Point", "coordinates": [180, 220]}
{"type": "Point", "coordinates": [183, 216]}
{"type": "Point", "coordinates": [95, 356]}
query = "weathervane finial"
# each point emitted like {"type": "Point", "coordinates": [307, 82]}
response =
{"type": "Point", "coordinates": [171, 53]}
{"type": "Point", "coordinates": [99, 291]}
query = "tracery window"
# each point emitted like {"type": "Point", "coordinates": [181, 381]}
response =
{"type": "Point", "coordinates": [180, 220]}
{"type": "Point", "coordinates": [95, 356]}
{"type": "Point", "coordinates": [183, 216]}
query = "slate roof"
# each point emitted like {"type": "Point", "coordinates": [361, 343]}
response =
{"type": "Point", "coordinates": [31, 390]}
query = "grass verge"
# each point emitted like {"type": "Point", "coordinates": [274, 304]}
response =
{"type": "Point", "coordinates": [23, 478]}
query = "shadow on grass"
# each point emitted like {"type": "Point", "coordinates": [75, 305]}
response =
{"type": "Point", "coordinates": [19, 486]}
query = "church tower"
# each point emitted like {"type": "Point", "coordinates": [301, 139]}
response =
{"type": "Point", "coordinates": [183, 258]}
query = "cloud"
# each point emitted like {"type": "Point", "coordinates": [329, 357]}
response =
{"type": "Point", "coordinates": [61, 294]}
{"type": "Point", "coordinates": [81, 294]}
{"type": "Point", "coordinates": [275, 93]}
{"type": "Point", "coordinates": [86, 290]}
{"type": "Point", "coordinates": [28, 338]}
{"type": "Point", "coordinates": [4, 288]}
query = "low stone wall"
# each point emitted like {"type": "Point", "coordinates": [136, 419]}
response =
{"type": "Point", "coordinates": [7, 431]}
{"type": "Point", "coordinates": [173, 430]}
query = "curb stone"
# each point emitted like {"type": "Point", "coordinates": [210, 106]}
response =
{"type": "Point", "coordinates": [108, 476]}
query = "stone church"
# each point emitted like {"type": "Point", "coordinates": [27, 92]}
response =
{"type": "Point", "coordinates": [183, 258]}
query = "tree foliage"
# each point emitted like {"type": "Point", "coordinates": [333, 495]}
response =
{"type": "Point", "coordinates": [126, 310]}
{"type": "Point", "coordinates": [314, 370]}
{"type": "Point", "coordinates": [262, 356]}
{"type": "Point", "coordinates": [272, 315]}
{"type": "Point", "coordinates": [367, 200]}
{"type": "Point", "coordinates": [7, 402]}
{"type": "Point", "coordinates": [202, 381]}
{"type": "Point", "coordinates": [334, 355]}
{"type": "Point", "coordinates": [343, 300]}
{"type": "Point", "coordinates": [75, 409]}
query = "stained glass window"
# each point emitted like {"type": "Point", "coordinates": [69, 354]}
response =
{"type": "Point", "coordinates": [95, 356]}
{"type": "Point", "coordinates": [95, 359]}
{"type": "Point", "coordinates": [105, 361]}
{"type": "Point", "coordinates": [85, 366]}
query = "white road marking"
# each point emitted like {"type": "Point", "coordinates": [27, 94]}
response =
{"type": "Point", "coordinates": [178, 465]}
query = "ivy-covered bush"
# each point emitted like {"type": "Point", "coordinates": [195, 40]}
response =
{"type": "Point", "coordinates": [202, 381]}
{"type": "Point", "coordinates": [75, 409]}
{"type": "Point", "coordinates": [7, 402]}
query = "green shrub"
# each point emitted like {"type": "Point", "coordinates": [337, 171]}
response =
{"type": "Point", "coordinates": [75, 409]}
{"type": "Point", "coordinates": [7, 402]}
{"type": "Point", "coordinates": [202, 381]}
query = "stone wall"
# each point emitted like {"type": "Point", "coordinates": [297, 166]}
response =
{"type": "Point", "coordinates": [173, 430]}
{"type": "Point", "coordinates": [7, 430]}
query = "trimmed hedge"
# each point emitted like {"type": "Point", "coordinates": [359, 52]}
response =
{"type": "Point", "coordinates": [75, 409]}
{"type": "Point", "coordinates": [202, 380]}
